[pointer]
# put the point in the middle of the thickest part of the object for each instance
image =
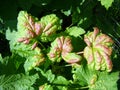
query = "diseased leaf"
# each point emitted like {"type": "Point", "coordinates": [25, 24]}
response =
{"type": "Point", "coordinates": [51, 24]}
{"type": "Point", "coordinates": [46, 87]}
{"type": "Point", "coordinates": [98, 51]}
{"type": "Point", "coordinates": [29, 29]}
{"type": "Point", "coordinates": [75, 31]}
{"type": "Point", "coordinates": [60, 46]}
{"type": "Point", "coordinates": [33, 61]}
{"type": "Point", "coordinates": [20, 48]}
{"type": "Point", "coordinates": [72, 58]}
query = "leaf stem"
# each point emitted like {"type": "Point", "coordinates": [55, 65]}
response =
{"type": "Point", "coordinates": [41, 44]}
{"type": "Point", "coordinates": [80, 52]}
{"type": "Point", "coordinates": [84, 87]}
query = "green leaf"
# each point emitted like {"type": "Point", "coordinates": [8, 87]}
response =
{"type": "Point", "coordinates": [61, 83]}
{"type": "Point", "coordinates": [17, 82]}
{"type": "Point", "coordinates": [67, 13]}
{"type": "Point", "coordinates": [48, 75]}
{"type": "Point", "coordinates": [0, 57]}
{"type": "Point", "coordinates": [75, 31]}
{"type": "Point", "coordinates": [95, 80]}
{"type": "Point", "coordinates": [82, 75]}
{"type": "Point", "coordinates": [10, 65]}
{"type": "Point", "coordinates": [106, 3]}
{"type": "Point", "coordinates": [20, 48]}
{"type": "Point", "coordinates": [33, 61]}
{"type": "Point", "coordinates": [46, 87]}
{"type": "Point", "coordinates": [106, 81]}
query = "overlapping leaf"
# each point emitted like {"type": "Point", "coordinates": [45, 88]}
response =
{"type": "Point", "coordinates": [98, 50]}
{"type": "Point", "coordinates": [51, 24]}
{"type": "Point", "coordinates": [33, 61]}
{"type": "Point", "coordinates": [62, 48]}
{"type": "Point", "coordinates": [31, 30]}
{"type": "Point", "coordinates": [95, 80]}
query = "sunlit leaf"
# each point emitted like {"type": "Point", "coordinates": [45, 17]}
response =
{"type": "Point", "coordinates": [98, 50]}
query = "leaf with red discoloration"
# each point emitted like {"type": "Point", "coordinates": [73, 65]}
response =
{"type": "Point", "coordinates": [29, 27]}
{"type": "Point", "coordinates": [60, 46]}
{"type": "Point", "coordinates": [98, 51]}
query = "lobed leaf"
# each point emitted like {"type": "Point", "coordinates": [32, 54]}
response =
{"type": "Point", "coordinates": [98, 50]}
{"type": "Point", "coordinates": [95, 80]}
{"type": "Point", "coordinates": [60, 46]}
{"type": "Point", "coordinates": [51, 24]}
{"type": "Point", "coordinates": [17, 82]}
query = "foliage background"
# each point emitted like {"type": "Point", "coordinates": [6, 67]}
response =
{"type": "Point", "coordinates": [104, 14]}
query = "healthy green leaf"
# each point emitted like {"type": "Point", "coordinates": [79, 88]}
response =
{"type": "Point", "coordinates": [82, 75]}
{"type": "Point", "coordinates": [17, 82]}
{"type": "Point", "coordinates": [75, 31]}
{"type": "Point", "coordinates": [95, 80]}
{"type": "Point", "coordinates": [61, 83]}
{"type": "Point", "coordinates": [106, 3]}
{"type": "Point", "coordinates": [48, 75]}
{"type": "Point", "coordinates": [67, 13]}
{"type": "Point", "coordinates": [106, 81]}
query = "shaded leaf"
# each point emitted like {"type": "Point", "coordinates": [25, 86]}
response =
{"type": "Point", "coordinates": [17, 82]}
{"type": "Point", "coordinates": [75, 31]}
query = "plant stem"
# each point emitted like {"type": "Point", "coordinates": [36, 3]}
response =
{"type": "Point", "coordinates": [80, 52]}
{"type": "Point", "coordinates": [41, 44]}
